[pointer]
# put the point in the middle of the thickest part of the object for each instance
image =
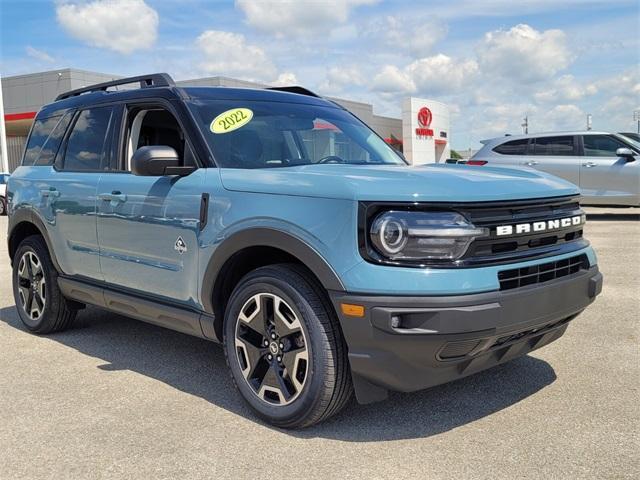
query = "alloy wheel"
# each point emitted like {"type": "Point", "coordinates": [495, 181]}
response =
{"type": "Point", "coordinates": [32, 288]}
{"type": "Point", "coordinates": [272, 349]}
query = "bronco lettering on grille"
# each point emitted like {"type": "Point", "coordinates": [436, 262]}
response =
{"type": "Point", "coordinates": [541, 226]}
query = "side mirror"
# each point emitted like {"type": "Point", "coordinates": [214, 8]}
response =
{"type": "Point", "coordinates": [626, 153]}
{"type": "Point", "coordinates": [156, 161]}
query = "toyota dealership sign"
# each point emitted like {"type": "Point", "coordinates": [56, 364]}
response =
{"type": "Point", "coordinates": [425, 131]}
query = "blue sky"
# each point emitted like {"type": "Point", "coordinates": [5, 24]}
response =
{"type": "Point", "coordinates": [492, 61]}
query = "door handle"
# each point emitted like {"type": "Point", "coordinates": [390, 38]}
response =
{"type": "Point", "coordinates": [114, 197]}
{"type": "Point", "coordinates": [51, 193]}
{"type": "Point", "coordinates": [589, 164]}
{"type": "Point", "coordinates": [531, 163]}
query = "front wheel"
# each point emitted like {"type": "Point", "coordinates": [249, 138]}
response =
{"type": "Point", "coordinates": [3, 206]}
{"type": "Point", "coordinates": [285, 349]}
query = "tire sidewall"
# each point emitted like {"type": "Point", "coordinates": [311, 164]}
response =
{"type": "Point", "coordinates": [3, 206]}
{"type": "Point", "coordinates": [52, 300]}
{"type": "Point", "coordinates": [313, 331]}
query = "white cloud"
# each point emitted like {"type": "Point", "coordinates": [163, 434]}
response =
{"type": "Point", "coordinates": [524, 54]}
{"type": "Point", "coordinates": [227, 53]}
{"type": "Point", "coordinates": [438, 74]}
{"type": "Point", "coordinates": [285, 79]}
{"type": "Point", "coordinates": [39, 54]}
{"type": "Point", "coordinates": [339, 78]}
{"type": "Point", "coordinates": [391, 79]}
{"type": "Point", "coordinates": [120, 25]}
{"type": "Point", "coordinates": [565, 88]}
{"type": "Point", "coordinates": [415, 34]}
{"type": "Point", "coordinates": [285, 18]}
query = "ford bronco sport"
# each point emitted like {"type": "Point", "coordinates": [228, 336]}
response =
{"type": "Point", "coordinates": [275, 222]}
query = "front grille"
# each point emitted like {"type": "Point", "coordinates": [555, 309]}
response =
{"type": "Point", "coordinates": [544, 272]}
{"type": "Point", "coordinates": [493, 249]}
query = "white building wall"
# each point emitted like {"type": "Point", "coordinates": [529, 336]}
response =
{"type": "Point", "coordinates": [434, 147]}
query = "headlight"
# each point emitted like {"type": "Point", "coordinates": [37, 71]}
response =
{"type": "Point", "coordinates": [401, 235]}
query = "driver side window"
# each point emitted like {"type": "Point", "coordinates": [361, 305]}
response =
{"type": "Point", "coordinates": [156, 126]}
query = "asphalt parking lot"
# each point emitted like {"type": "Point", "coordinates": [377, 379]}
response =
{"type": "Point", "coordinates": [116, 398]}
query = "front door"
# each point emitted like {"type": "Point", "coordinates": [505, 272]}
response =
{"type": "Point", "coordinates": [606, 178]}
{"type": "Point", "coordinates": [148, 227]}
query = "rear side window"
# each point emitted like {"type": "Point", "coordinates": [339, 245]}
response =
{"type": "Point", "coordinates": [88, 139]}
{"type": "Point", "coordinates": [40, 132]}
{"type": "Point", "coordinates": [50, 148]}
{"type": "Point", "coordinates": [553, 146]}
{"type": "Point", "coordinates": [601, 146]}
{"type": "Point", "coordinates": [514, 147]}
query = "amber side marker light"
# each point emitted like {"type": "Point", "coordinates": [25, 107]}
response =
{"type": "Point", "coordinates": [352, 310]}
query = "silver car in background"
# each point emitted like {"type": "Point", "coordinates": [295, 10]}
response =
{"type": "Point", "coordinates": [606, 166]}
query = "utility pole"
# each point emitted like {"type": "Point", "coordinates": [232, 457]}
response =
{"type": "Point", "coordinates": [636, 118]}
{"type": "Point", "coordinates": [525, 125]}
{"type": "Point", "coordinates": [589, 121]}
{"type": "Point", "coordinates": [4, 154]}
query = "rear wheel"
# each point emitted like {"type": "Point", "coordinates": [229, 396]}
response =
{"type": "Point", "coordinates": [3, 206]}
{"type": "Point", "coordinates": [285, 349]}
{"type": "Point", "coordinates": [40, 304]}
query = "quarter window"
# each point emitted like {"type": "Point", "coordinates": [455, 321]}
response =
{"type": "Point", "coordinates": [601, 146]}
{"type": "Point", "coordinates": [553, 146]}
{"type": "Point", "coordinates": [514, 147]}
{"type": "Point", "coordinates": [51, 146]}
{"type": "Point", "coordinates": [87, 141]}
{"type": "Point", "coordinates": [40, 131]}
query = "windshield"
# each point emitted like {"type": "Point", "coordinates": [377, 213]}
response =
{"type": "Point", "coordinates": [634, 137]}
{"type": "Point", "coordinates": [257, 134]}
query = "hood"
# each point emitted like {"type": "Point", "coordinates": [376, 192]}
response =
{"type": "Point", "coordinates": [396, 183]}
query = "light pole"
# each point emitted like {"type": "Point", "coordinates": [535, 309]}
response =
{"type": "Point", "coordinates": [589, 121]}
{"type": "Point", "coordinates": [525, 125]}
{"type": "Point", "coordinates": [636, 118]}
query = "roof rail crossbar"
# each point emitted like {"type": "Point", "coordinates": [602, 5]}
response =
{"type": "Point", "coordinates": [295, 89]}
{"type": "Point", "coordinates": [146, 81]}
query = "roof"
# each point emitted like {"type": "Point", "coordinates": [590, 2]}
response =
{"type": "Point", "coordinates": [85, 97]}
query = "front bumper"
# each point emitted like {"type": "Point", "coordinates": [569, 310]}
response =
{"type": "Point", "coordinates": [412, 343]}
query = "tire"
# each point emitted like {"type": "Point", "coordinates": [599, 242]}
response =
{"type": "Point", "coordinates": [39, 302]}
{"type": "Point", "coordinates": [3, 206]}
{"type": "Point", "coordinates": [283, 300]}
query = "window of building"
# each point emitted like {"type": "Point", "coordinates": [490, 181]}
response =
{"type": "Point", "coordinates": [87, 141]}
{"type": "Point", "coordinates": [514, 147]}
{"type": "Point", "coordinates": [553, 146]}
{"type": "Point", "coordinates": [601, 146]}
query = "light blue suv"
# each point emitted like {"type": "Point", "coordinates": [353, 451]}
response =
{"type": "Point", "coordinates": [277, 223]}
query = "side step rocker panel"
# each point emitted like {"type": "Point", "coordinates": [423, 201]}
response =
{"type": "Point", "coordinates": [198, 324]}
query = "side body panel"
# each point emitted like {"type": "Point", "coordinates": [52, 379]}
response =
{"type": "Point", "coordinates": [140, 222]}
{"type": "Point", "coordinates": [65, 202]}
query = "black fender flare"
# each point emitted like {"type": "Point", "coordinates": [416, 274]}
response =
{"type": "Point", "coordinates": [266, 237]}
{"type": "Point", "coordinates": [27, 215]}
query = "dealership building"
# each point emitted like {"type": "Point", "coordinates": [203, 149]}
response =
{"type": "Point", "coordinates": [422, 133]}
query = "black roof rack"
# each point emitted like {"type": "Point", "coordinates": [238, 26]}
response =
{"type": "Point", "coordinates": [146, 81]}
{"type": "Point", "coordinates": [295, 89]}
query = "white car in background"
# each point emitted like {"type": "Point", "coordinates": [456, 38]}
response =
{"type": "Point", "coordinates": [4, 177]}
{"type": "Point", "coordinates": [606, 166]}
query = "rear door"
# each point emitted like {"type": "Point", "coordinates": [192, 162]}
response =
{"type": "Point", "coordinates": [606, 178]}
{"type": "Point", "coordinates": [555, 155]}
{"type": "Point", "coordinates": [68, 197]}
{"type": "Point", "coordinates": [148, 227]}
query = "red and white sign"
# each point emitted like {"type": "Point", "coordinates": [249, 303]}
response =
{"type": "Point", "coordinates": [424, 119]}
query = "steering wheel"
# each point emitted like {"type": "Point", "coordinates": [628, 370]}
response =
{"type": "Point", "coordinates": [331, 159]}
